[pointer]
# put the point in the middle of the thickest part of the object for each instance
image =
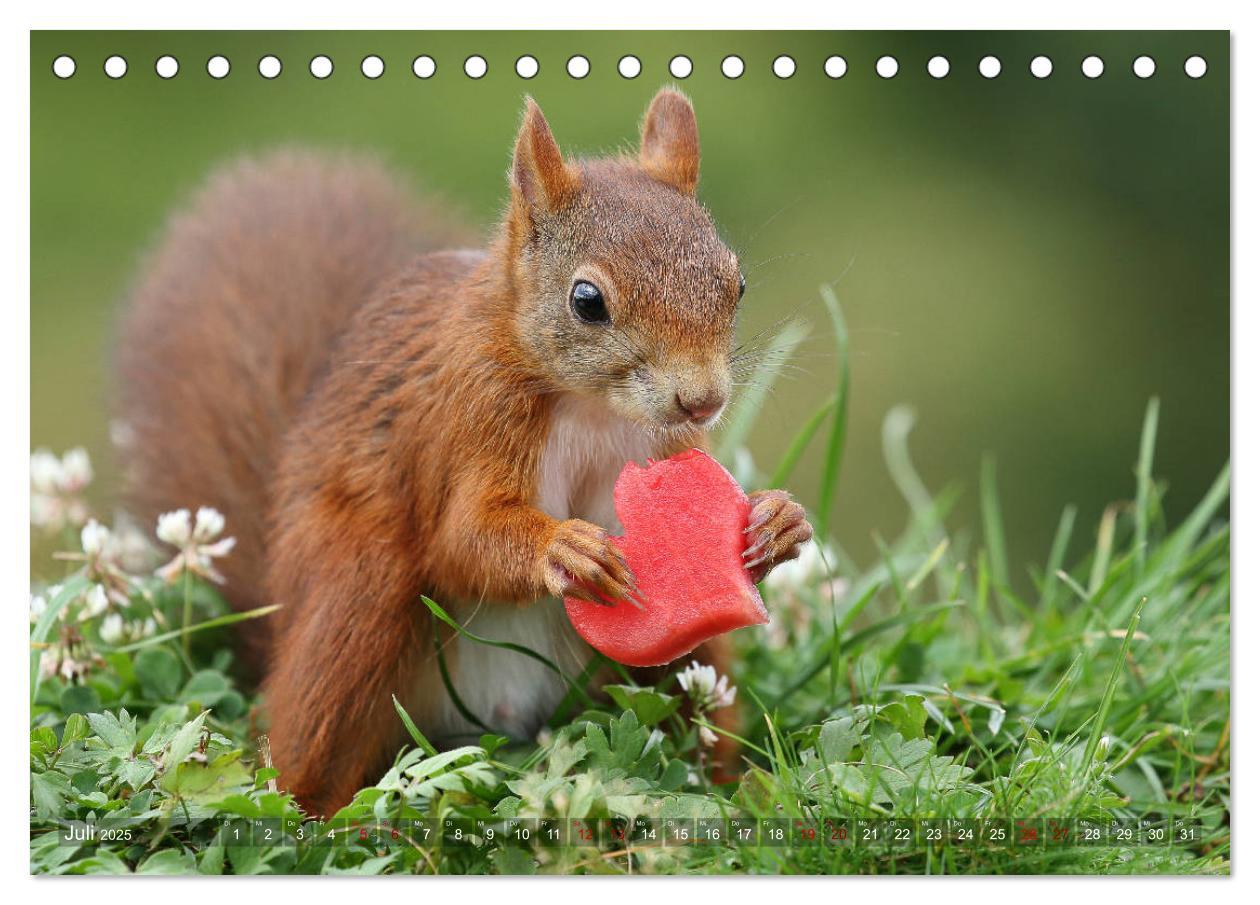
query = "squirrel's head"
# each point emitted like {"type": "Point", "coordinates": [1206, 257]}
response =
{"type": "Point", "coordinates": [623, 289]}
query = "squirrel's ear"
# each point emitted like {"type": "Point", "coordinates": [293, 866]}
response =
{"type": "Point", "coordinates": [670, 148]}
{"type": "Point", "coordinates": [540, 177]}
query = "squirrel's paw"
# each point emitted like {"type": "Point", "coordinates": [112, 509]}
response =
{"type": "Point", "coordinates": [777, 528]}
{"type": "Point", "coordinates": [580, 561]}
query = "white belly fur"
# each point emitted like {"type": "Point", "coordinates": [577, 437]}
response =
{"type": "Point", "coordinates": [586, 448]}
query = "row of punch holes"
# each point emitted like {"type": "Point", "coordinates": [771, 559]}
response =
{"type": "Point", "coordinates": [629, 66]}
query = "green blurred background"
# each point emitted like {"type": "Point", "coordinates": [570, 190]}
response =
{"type": "Point", "coordinates": [1023, 261]}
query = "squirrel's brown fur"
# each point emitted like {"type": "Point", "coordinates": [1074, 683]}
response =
{"type": "Point", "coordinates": [373, 417]}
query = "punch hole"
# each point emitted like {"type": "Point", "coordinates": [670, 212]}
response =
{"type": "Point", "coordinates": [1092, 67]}
{"type": "Point", "coordinates": [526, 66]}
{"type": "Point", "coordinates": [886, 67]}
{"type": "Point", "coordinates": [423, 67]}
{"type": "Point", "coordinates": [835, 66]}
{"type": "Point", "coordinates": [64, 66]}
{"type": "Point", "coordinates": [475, 66]}
{"type": "Point", "coordinates": [115, 67]}
{"type": "Point", "coordinates": [269, 67]}
{"type": "Point", "coordinates": [680, 66]}
{"type": "Point", "coordinates": [783, 66]}
{"type": "Point", "coordinates": [1041, 67]}
{"type": "Point", "coordinates": [217, 67]}
{"type": "Point", "coordinates": [938, 67]}
{"type": "Point", "coordinates": [990, 67]}
{"type": "Point", "coordinates": [321, 66]}
{"type": "Point", "coordinates": [1196, 67]}
{"type": "Point", "coordinates": [732, 66]}
{"type": "Point", "coordinates": [167, 67]}
{"type": "Point", "coordinates": [372, 66]}
{"type": "Point", "coordinates": [578, 67]}
{"type": "Point", "coordinates": [629, 66]}
{"type": "Point", "coordinates": [1144, 67]}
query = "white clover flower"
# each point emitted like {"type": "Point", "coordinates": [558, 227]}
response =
{"type": "Point", "coordinates": [723, 696]}
{"type": "Point", "coordinates": [96, 601]}
{"type": "Point", "coordinates": [697, 680]}
{"type": "Point", "coordinates": [94, 538]}
{"type": "Point", "coordinates": [46, 512]}
{"type": "Point", "coordinates": [70, 667]}
{"type": "Point", "coordinates": [197, 545]}
{"type": "Point", "coordinates": [45, 472]}
{"type": "Point", "coordinates": [48, 662]}
{"type": "Point", "coordinates": [706, 689]}
{"type": "Point", "coordinates": [209, 525]}
{"type": "Point", "coordinates": [113, 630]}
{"type": "Point", "coordinates": [102, 557]}
{"type": "Point", "coordinates": [61, 660]}
{"type": "Point", "coordinates": [39, 605]}
{"type": "Point", "coordinates": [76, 470]}
{"type": "Point", "coordinates": [708, 737]}
{"type": "Point", "coordinates": [56, 488]}
{"type": "Point", "coordinates": [175, 528]}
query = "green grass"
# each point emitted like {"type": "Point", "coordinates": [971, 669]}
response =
{"type": "Point", "coordinates": [940, 681]}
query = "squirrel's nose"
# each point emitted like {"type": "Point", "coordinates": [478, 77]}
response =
{"type": "Point", "coordinates": [701, 407]}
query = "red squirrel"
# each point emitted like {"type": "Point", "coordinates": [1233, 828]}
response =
{"type": "Point", "coordinates": [380, 419]}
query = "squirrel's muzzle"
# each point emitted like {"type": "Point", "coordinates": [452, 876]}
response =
{"type": "Point", "coordinates": [701, 407]}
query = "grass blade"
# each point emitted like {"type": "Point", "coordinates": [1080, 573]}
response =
{"type": "Point", "coordinates": [840, 415]}
{"type": "Point", "coordinates": [1146, 461]}
{"type": "Point", "coordinates": [1102, 552]}
{"type": "Point", "coordinates": [70, 589]}
{"type": "Point", "coordinates": [799, 443]}
{"type": "Point", "coordinates": [746, 409]}
{"type": "Point", "coordinates": [217, 622]}
{"type": "Point", "coordinates": [980, 609]}
{"type": "Point", "coordinates": [413, 730]}
{"type": "Point", "coordinates": [1109, 691]}
{"type": "Point", "coordinates": [449, 685]}
{"type": "Point", "coordinates": [991, 516]}
{"type": "Point", "coordinates": [895, 436]}
{"type": "Point", "coordinates": [1180, 541]}
{"type": "Point", "coordinates": [1058, 550]}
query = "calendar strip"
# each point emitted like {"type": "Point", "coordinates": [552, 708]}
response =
{"type": "Point", "coordinates": [644, 832]}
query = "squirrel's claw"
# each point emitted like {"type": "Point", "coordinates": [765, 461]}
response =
{"type": "Point", "coordinates": [606, 593]}
{"type": "Point", "coordinates": [581, 561]}
{"type": "Point", "coordinates": [765, 503]}
{"type": "Point", "coordinates": [782, 529]}
{"type": "Point", "coordinates": [579, 592]}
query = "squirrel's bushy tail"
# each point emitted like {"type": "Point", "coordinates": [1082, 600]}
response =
{"type": "Point", "coordinates": [232, 320]}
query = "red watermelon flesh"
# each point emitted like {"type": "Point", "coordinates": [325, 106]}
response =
{"type": "Point", "coordinates": [684, 520]}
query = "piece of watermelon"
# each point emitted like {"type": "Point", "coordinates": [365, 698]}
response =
{"type": "Point", "coordinates": [684, 520]}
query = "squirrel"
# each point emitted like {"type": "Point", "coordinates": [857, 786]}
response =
{"type": "Point", "coordinates": [380, 417]}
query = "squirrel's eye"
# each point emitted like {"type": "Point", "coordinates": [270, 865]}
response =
{"type": "Point", "coordinates": [742, 285]}
{"type": "Point", "coordinates": [588, 303]}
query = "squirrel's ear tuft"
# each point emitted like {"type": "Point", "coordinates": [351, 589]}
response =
{"type": "Point", "coordinates": [541, 180]}
{"type": "Point", "coordinates": [670, 148]}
